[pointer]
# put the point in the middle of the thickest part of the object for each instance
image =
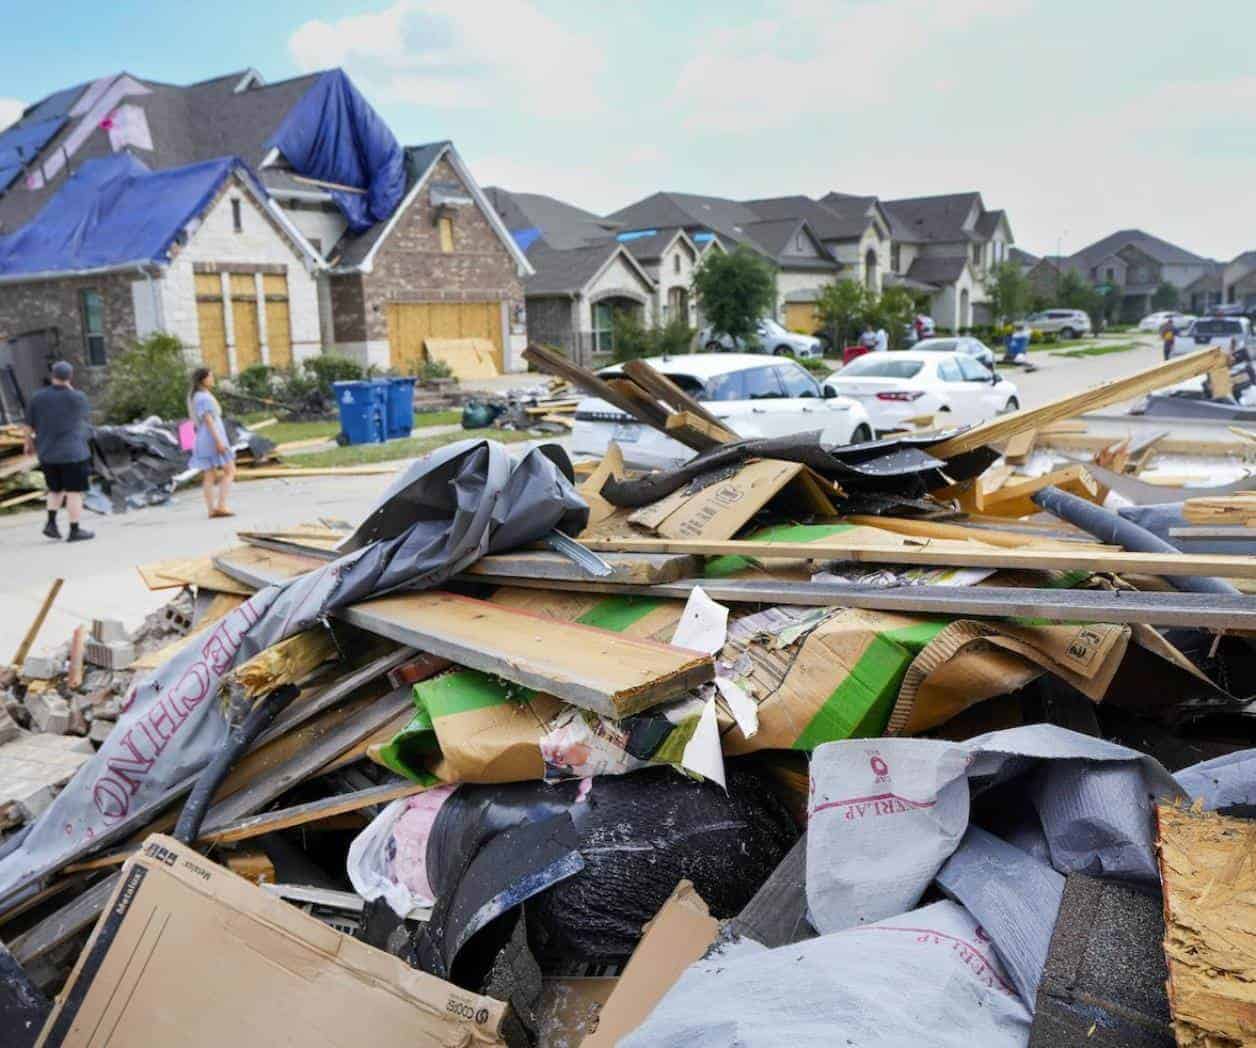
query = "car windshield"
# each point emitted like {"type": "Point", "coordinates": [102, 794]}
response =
{"type": "Point", "coordinates": [772, 326]}
{"type": "Point", "coordinates": [1213, 328]}
{"type": "Point", "coordinates": [945, 345]}
{"type": "Point", "coordinates": [878, 366]}
{"type": "Point", "coordinates": [689, 384]}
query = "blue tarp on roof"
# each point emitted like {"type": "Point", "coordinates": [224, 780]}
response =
{"type": "Point", "coordinates": [112, 211]}
{"type": "Point", "coordinates": [525, 238]}
{"type": "Point", "coordinates": [20, 144]}
{"type": "Point", "coordinates": [332, 134]}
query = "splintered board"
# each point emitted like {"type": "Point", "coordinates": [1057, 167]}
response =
{"type": "Point", "coordinates": [596, 669]}
{"type": "Point", "coordinates": [1208, 868]}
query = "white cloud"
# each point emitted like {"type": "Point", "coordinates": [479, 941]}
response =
{"type": "Point", "coordinates": [10, 110]}
{"type": "Point", "coordinates": [462, 54]}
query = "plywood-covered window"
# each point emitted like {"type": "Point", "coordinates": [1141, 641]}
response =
{"type": "Point", "coordinates": [446, 226]}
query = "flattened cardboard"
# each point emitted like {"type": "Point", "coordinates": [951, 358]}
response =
{"type": "Point", "coordinates": [189, 954]}
{"type": "Point", "coordinates": [680, 934]}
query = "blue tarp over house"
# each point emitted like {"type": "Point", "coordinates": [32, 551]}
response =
{"type": "Point", "coordinates": [333, 135]}
{"type": "Point", "coordinates": [113, 211]}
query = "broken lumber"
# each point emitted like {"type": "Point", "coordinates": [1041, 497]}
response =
{"type": "Point", "coordinates": [23, 649]}
{"type": "Point", "coordinates": [284, 663]}
{"type": "Point", "coordinates": [189, 571]}
{"type": "Point", "coordinates": [588, 667]}
{"type": "Point", "coordinates": [659, 385]}
{"type": "Point", "coordinates": [1012, 499]}
{"type": "Point", "coordinates": [1210, 924]}
{"type": "Point", "coordinates": [643, 568]}
{"type": "Point", "coordinates": [688, 427]}
{"type": "Point", "coordinates": [1221, 509]}
{"type": "Point", "coordinates": [934, 555]}
{"type": "Point", "coordinates": [932, 529]}
{"type": "Point", "coordinates": [1004, 427]}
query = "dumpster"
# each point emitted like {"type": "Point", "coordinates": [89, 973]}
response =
{"type": "Point", "coordinates": [399, 414]}
{"type": "Point", "coordinates": [363, 411]}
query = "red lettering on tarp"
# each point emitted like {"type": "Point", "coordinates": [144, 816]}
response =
{"type": "Point", "coordinates": [876, 805]}
{"type": "Point", "coordinates": [111, 799]}
{"type": "Point", "coordinates": [970, 955]}
{"type": "Point", "coordinates": [193, 686]}
{"type": "Point", "coordinates": [129, 769]}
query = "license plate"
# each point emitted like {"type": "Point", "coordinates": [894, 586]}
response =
{"type": "Point", "coordinates": [627, 433]}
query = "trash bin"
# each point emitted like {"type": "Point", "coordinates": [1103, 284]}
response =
{"type": "Point", "coordinates": [363, 407]}
{"type": "Point", "coordinates": [399, 417]}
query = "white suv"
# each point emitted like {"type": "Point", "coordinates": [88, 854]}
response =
{"type": "Point", "coordinates": [753, 396]}
{"type": "Point", "coordinates": [1067, 323]}
{"type": "Point", "coordinates": [773, 338]}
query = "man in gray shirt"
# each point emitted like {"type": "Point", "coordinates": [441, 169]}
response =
{"type": "Point", "coordinates": [59, 423]}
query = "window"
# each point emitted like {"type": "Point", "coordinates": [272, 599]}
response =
{"type": "Point", "coordinates": [796, 382]}
{"type": "Point", "coordinates": [237, 219]}
{"type": "Point", "coordinates": [896, 258]}
{"type": "Point", "coordinates": [948, 371]}
{"type": "Point", "coordinates": [971, 370]}
{"type": "Point", "coordinates": [873, 365]}
{"type": "Point", "coordinates": [676, 263]}
{"type": "Point", "coordinates": [1109, 275]}
{"type": "Point", "coordinates": [93, 308]}
{"type": "Point", "coordinates": [446, 226]}
{"type": "Point", "coordinates": [944, 345]}
{"type": "Point", "coordinates": [603, 327]}
{"type": "Point", "coordinates": [976, 254]}
{"type": "Point", "coordinates": [762, 384]}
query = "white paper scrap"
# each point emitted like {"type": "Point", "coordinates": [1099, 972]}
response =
{"type": "Point", "coordinates": [743, 708]}
{"type": "Point", "coordinates": [703, 625]}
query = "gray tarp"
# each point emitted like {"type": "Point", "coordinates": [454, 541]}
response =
{"type": "Point", "coordinates": [1223, 782]}
{"type": "Point", "coordinates": [443, 513]}
{"type": "Point", "coordinates": [928, 977]}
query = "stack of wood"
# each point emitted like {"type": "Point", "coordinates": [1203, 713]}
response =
{"type": "Point", "coordinates": [20, 480]}
{"type": "Point", "coordinates": [1221, 510]}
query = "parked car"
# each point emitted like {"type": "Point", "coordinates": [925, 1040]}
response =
{"type": "Point", "coordinates": [1155, 321]}
{"type": "Point", "coordinates": [752, 396]}
{"type": "Point", "coordinates": [773, 338]}
{"type": "Point", "coordinates": [1232, 333]}
{"type": "Point", "coordinates": [970, 347]}
{"type": "Point", "coordinates": [1067, 323]}
{"type": "Point", "coordinates": [894, 387]}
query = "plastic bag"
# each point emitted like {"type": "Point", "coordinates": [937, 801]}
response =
{"type": "Point", "coordinates": [388, 859]}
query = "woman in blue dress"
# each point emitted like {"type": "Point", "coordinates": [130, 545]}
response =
{"type": "Point", "coordinates": [211, 453]}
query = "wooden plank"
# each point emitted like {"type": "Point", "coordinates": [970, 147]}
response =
{"type": "Point", "coordinates": [1223, 509]}
{"type": "Point", "coordinates": [1220, 385]}
{"type": "Point", "coordinates": [298, 815]}
{"type": "Point", "coordinates": [32, 631]}
{"type": "Point", "coordinates": [832, 548]}
{"type": "Point", "coordinates": [22, 499]}
{"type": "Point", "coordinates": [189, 571]}
{"type": "Point", "coordinates": [297, 445]}
{"type": "Point", "coordinates": [18, 464]}
{"type": "Point", "coordinates": [1013, 499]}
{"type": "Point", "coordinates": [1209, 883]}
{"type": "Point", "coordinates": [65, 923]}
{"type": "Point", "coordinates": [78, 648]}
{"type": "Point", "coordinates": [689, 429]}
{"type": "Point", "coordinates": [933, 529]}
{"type": "Point", "coordinates": [659, 385]}
{"type": "Point", "coordinates": [287, 662]}
{"type": "Point", "coordinates": [1003, 427]}
{"type": "Point", "coordinates": [1020, 445]}
{"type": "Point", "coordinates": [280, 472]}
{"type": "Point", "coordinates": [1154, 608]}
{"type": "Point", "coordinates": [643, 568]}
{"type": "Point", "coordinates": [593, 668]}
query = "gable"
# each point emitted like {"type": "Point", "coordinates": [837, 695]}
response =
{"type": "Point", "coordinates": [619, 274]}
{"type": "Point", "coordinates": [803, 245]}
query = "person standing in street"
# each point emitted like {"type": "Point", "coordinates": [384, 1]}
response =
{"type": "Point", "coordinates": [211, 453]}
{"type": "Point", "coordinates": [883, 339]}
{"type": "Point", "coordinates": [58, 428]}
{"type": "Point", "coordinates": [1168, 335]}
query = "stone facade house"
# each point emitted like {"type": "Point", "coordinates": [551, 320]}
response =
{"type": "Point", "coordinates": [1138, 263]}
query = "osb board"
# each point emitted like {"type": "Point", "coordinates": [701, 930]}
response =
{"type": "Point", "coordinates": [196, 571]}
{"type": "Point", "coordinates": [465, 357]}
{"type": "Point", "coordinates": [1208, 868]}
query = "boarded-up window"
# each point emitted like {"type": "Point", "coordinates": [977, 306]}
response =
{"type": "Point", "coordinates": [278, 319]}
{"type": "Point", "coordinates": [446, 226]}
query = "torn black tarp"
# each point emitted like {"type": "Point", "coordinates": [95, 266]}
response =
{"type": "Point", "coordinates": [476, 501]}
{"type": "Point", "coordinates": [899, 466]}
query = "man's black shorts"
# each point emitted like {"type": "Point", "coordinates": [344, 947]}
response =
{"type": "Point", "coordinates": [67, 476]}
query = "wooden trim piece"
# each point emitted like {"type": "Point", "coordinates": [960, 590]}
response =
{"type": "Point", "coordinates": [1003, 427]}
{"type": "Point", "coordinates": [60, 926]}
{"type": "Point", "coordinates": [933, 529]}
{"type": "Point", "coordinates": [32, 631]}
{"type": "Point", "coordinates": [954, 556]}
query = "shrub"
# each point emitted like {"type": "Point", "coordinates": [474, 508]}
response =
{"type": "Point", "coordinates": [257, 380]}
{"type": "Point", "coordinates": [432, 369]}
{"type": "Point", "coordinates": [332, 367]}
{"type": "Point", "coordinates": [673, 338]}
{"type": "Point", "coordinates": [633, 340]}
{"type": "Point", "coordinates": [150, 377]}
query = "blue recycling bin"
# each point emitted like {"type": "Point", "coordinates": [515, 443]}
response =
{"type": "Point", "coordinates": [399, 417]}
{"type": "Point", "coordinates": [363, 408]}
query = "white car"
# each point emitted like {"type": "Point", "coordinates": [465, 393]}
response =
{"type": "Point", "coordinates": [1232, 333]}
{"type": "Point", "coordinates": [752, 396]}
{"type": "Point", "coordinates": [895, 387]}
{"type": "Point", "coordinates": [1155, 321]}
{"type": "Point", "coordinates": [1067, 323]}
{"type": "Point", "coordinates": [970, 347]}
{"type": "Point", "coordinates": [773, 338]}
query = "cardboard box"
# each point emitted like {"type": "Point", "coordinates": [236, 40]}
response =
{"type": "Point", "coordinates": [189, 954]}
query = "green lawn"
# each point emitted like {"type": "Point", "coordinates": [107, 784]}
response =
{"type": "Point", "coordinates": [411, 447]}
{"type": "Point", "coordinates": [283, 432]}
{"type": "Point", "coordinates": [1098, 351]}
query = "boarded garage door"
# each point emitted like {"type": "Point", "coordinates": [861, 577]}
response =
{"type": "Point", "coordinates": [278, 319]}
{"type": "Point", "coordinates": [801, 316]}
{"type": "Point", "coordinates": [248, 346]}
{"type": "Point", "coordinates": [409, 323]}
{"type": "Point", "coordinates": [210, 323]}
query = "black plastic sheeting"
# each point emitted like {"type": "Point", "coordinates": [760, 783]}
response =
{"type": "Point", "coordinates": [594, 860]}
{"type": "Point", "coordinates": [901, 466]}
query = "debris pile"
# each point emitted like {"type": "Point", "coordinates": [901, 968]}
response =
{"type": "Point", "coordinates": [20, 479]}
{"type": "Point", "coordinates": [658, 759]}
{"type": "Point", "coordinates": [542, 408]}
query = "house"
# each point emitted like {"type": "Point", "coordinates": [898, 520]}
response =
{"type": "Point", "coordinates": [1239, 281]}
{"type": "Point", "coordinates": [778, 229]}
{"type": "Point", "coordinates": [581, 274]}
{"type": "Point", "coordinates": [1139, 263]}
{"type": "Point", "coordinates": [217, 212]}
{"type": "Point", "coordinates": [670, 258]}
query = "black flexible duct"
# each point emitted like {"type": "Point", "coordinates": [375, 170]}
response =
{"type": "Point", "coordinates": [1110, 528]}
{"type": "Point", "coordinates": [241, 736]}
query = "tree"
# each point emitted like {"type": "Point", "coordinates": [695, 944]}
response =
{"type": "Point", "coordinates": [1076, 293]}
{"type": "Point", "coordinates": [736, 290]}
{"type": "Point", "coordinates": [1166, 297]}
{"type": "Point", "coordinates": [893, 311]}
{"type": "Point", "coordinates": [842, 306]}
{"type": "Point", "coordinates": [151, 377]}
{"type": "Point", "coordinates": [633, 340]}
{"type": "Point", "coordinates": [1007, 289]}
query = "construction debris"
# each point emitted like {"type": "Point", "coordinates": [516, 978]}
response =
{"type": "Point", "coordinates": [525, 763]}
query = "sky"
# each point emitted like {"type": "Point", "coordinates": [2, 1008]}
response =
{"type": "Point", "coordinates": [1079, 117]}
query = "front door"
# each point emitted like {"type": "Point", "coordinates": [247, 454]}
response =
{"type": "Point", "coordinates": [678, 305]}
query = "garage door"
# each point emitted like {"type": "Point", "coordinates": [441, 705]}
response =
{"type": "Point", "coordinates": [278, 319]}
{"type": "Point", "coordinates": [211, 324]}
{"type": "Point", "coordinates": [248, 345]}
{"type": "Point", "coordinates": [409, 323]}
{"type": "Point", "coordinates": [801, 316]}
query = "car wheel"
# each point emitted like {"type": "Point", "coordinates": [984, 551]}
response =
{"type": "Point", "coordinates": [1012, 405]}
{"type": "Point", "coordinates": [782, 351]}
{"type": "Point", "coordinates": [861, 435]}
{"type": "Point", "coordinates": [1068, 334]}
{"type": "Point", "coordinates": [714, 347]}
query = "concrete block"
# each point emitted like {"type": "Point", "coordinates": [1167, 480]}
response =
{"type": "Point", "coordinates": [111, 655]}
{"type": "Point", "coordinates": [33, 768]}
{"type": "Point", "coordinates": [43, 667]}
{"type": "Point", "coordinates": [107, 631]}
{"type": "Point", "coordinates": [50, 713]}
{"type": "Point", "coordinates": [100, 730]}
{"type": "Point", "coordinates": [9, 729]}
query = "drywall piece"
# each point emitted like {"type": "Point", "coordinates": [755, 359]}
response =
{"type": "Point", "coordinates": [33, 768]}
